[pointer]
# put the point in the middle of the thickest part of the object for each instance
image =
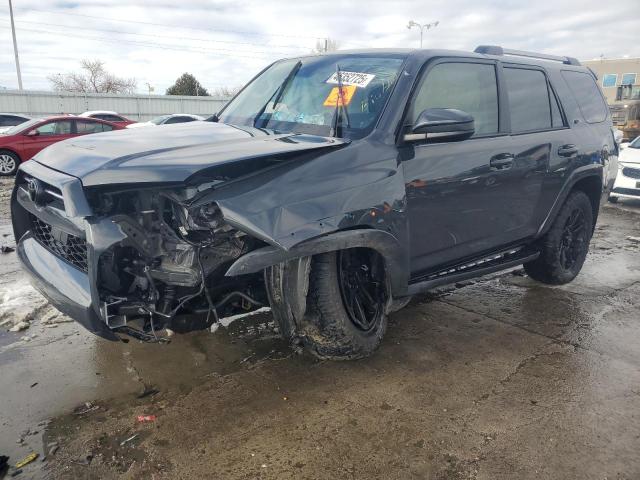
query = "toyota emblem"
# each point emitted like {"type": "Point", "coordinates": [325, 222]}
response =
{"type": "Point", "coordinates": [34, 188]}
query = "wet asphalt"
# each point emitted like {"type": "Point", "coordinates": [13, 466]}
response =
{"type": "Point", "coordinates": [498, 378]}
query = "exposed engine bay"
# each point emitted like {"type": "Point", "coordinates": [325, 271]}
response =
{"type": "Point", "coordinates": [169, 270]}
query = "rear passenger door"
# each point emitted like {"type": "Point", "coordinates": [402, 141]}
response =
{"type": "Point", "coordinates": [542, 145]}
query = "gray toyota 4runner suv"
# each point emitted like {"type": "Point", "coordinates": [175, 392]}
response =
{"type": "Point", "coordinates": [331, 189]}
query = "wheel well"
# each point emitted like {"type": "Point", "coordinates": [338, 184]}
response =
{"type": "Point", "coordinates": [11, 151]}
{"type": "Point", "coordinates": [592, 187]}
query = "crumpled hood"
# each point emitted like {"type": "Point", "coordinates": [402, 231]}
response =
{"type": "Point", "coordinates": [171, 153]}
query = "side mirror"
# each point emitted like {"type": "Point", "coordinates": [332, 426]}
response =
{"type": "Point", "coordinates": [32, 133]}
{"type": "Point", "coordinates": [441, 124]}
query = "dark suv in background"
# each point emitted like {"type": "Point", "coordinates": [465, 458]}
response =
{"type": "Point", "coordinates": [331, 188]}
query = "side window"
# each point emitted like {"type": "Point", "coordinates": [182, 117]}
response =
{"type": "Point", "coordinates": [586, 93]}
{"type": "Point", "coordinates": [84, 127]}
{"type": "Point", "coordinates": [55, 128]}
{"type": "Point", "coordinates": [111, 118]}
{"type": "Point", "coordinates": [180, 120]}
{"type": "Point", "coordinates": [106, 128]}
{"type": "Point", "coordinates": [531, 105]}
{"type": "Point", "coordinates": [470, 87]}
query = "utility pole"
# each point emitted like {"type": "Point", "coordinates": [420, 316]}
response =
{"type": "Point", "coordinates": [15, 46]}
{"type": "Point", "coordinates": [326, 45]}
{"type": "Point", "coordinates": [412, 24]}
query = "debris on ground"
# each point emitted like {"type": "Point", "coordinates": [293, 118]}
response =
{"type": "Point", "coordinates": [20, 326]}
{"type": "Point", "coordinates": [53, 448]}
{"type": "Point", "coordinates": [86, 408]}
{"type": "Point", "coordinates": [5, 249]}
{"type": "Point", "coordinates": [27, 460]}
{"type": "Point", "coordinates": [127, 440]}
{"type": "Point", "coordinates": [146, 418]}
{"type": "Point", "coordinates": [634, 239]}
{"type": "Point", "coordinates": [148, 392]}
{"type": "Point", "coordinates": [15, 473]}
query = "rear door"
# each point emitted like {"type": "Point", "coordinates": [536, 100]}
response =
{"type": "Point", "coordinates": [542, 144]}
{"type": "Point", "coordinates": [46, 134]}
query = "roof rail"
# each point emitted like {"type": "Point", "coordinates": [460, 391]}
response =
{"type": "Point", "coordinates": [496, 50]}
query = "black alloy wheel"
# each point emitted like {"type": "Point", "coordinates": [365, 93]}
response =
{"type": "Point", "coordinates": [574, 239]}
{"type": "Point", "coordinates": [362, 285]}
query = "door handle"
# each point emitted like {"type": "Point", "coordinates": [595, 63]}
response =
{"type": "Point", "coordinates": [568, 150]}
{"type": "Point", "coordinates": [502, 161]}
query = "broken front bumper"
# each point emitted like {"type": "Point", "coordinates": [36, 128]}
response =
{"type": "Point", "coordinates": [53, 234]}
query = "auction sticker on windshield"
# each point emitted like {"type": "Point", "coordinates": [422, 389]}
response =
{"type": "Point", "coordinates": [351, 78]}
{"type": "Point", "coordinates": [345, 99]}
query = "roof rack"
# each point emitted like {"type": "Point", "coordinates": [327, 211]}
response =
{"type": "Point", "coordinates": [499, 51]}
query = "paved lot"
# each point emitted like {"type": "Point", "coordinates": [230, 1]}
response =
{"type": "Point", "coordinates": [501, 378]}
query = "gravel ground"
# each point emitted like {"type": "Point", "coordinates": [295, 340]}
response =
{"type": "Point", "coordinates": [499, 378]}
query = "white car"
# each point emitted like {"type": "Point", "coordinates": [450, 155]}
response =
{"type": "Point", "coordinates": [168, 120]}
{"type": "Point", "coordinates": [627, 184]}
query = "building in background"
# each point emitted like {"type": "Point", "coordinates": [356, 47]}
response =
{"type": "Point", "coordinates": [620, 82]}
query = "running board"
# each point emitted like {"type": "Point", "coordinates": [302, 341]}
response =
{"type": "Point", "coordinates": [464, 273]}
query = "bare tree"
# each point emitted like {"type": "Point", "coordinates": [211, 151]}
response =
{"type": "Point", "coordinates": [93, 79]}
{"type": "Point", "coordinates": [226, 92]}
{"type": "Point", "coordinates": [326, 45]}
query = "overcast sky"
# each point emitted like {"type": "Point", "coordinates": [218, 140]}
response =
{"type": "Point", "coordinates": [224, 43]}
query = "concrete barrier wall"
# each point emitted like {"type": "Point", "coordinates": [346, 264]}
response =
{"type": "Point", "coordinates": [135, 107]}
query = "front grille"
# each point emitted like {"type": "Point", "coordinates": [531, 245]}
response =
{"type": "Point", "coordinates": [46, 193]}
{"type": "Point", "coordinates": [631, 172]}
{"type": "Point", "coordinates": [66, 246]}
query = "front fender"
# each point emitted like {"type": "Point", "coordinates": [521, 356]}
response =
{"type": "Point", "coordinates": [396, 257]}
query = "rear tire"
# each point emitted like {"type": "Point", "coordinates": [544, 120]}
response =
{"type": "Point", "coordinates": [346, 305]}
{"type": "Point", "coordinates": [9, 163]}
{"type": "Point", "coordinates": [564, 248]}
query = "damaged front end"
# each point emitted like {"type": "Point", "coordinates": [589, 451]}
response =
{"type": "Point", "coordinates": [168, 270]}
{"type": "Point", "coordinates": [131, 260]}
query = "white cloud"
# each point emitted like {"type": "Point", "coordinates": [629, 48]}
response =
{"type": "Point", "coordinates": [226, 43]}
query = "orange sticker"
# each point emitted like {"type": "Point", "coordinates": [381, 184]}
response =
{"type": "Point", "coordinates": [347, 94]}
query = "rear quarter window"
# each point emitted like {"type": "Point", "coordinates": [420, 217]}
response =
{"type": "Point", "coordinates": [585, 91]}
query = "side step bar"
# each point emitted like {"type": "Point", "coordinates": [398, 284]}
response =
{"type": "Point", "coordinates": [486, 268]}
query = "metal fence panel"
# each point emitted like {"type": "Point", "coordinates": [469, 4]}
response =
{"type": "Point", "coordinates": [135, 107]}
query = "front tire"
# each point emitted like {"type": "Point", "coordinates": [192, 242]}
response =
{"type": "Point", "coordinates": [565, 246]}
{"type": "Point", "coordinates": [9, 163]}
{"type": "Point", "coordinates": [346, 305]}
{"type": "Point", "coordinates": [613, 199]}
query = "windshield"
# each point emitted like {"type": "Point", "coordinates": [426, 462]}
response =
{"type": "Point", "coordinates": [300, 95]}
{"type": "Point", "coordinates": [635, 143]}
{"type": "Point", "coordinates": [23, 126]}
{"type": "Point", "coordinates": [159, 120]}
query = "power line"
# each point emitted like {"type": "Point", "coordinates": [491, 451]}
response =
{"type": "Point", "coordinates": [158, 35]}
{"type": "Point", "coordinates": [158, 45]}
{"type": "Point", "coordinates": [103, 19]}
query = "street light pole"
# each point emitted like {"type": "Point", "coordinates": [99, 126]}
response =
{"type": "Point", "coordinates": [15, 46]}
{"type": "Point", "coordinates": [412, 24]}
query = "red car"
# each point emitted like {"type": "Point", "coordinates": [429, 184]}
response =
{"type": "Point", "coordinates": [22, 142]}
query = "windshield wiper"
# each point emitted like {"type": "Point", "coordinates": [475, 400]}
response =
{"type": "Point", "coordinates": [277, 95]}
{"type": "Point", "coordinates": [340, 107]}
